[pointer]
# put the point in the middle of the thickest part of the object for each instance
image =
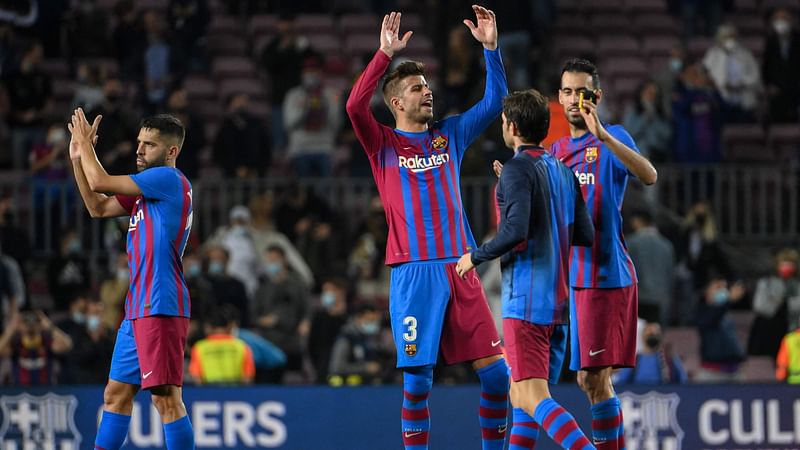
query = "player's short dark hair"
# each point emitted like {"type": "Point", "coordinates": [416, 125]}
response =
{"type": "Point", "coordinates": [581, 65]}
{"type": "Point", "coordinates": [391, 83]}
{"type": "Point", "coordinates": [168, 126]}
{"type": "Point", "coordinates": [530, 112]}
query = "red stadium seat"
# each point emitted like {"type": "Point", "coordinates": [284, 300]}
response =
{"type": "Point", "coordinates": [656, 24]}
{"type": "Point", "coordinates": [572, 46]}
{"type": "Point", "coordinates": [602, 24]}
{"type": "Point", "coordinates": [221, 24]}
{"type": "Point", "coordinates": [200, 88]}
{"type": "Point", "coordinates": [363, 23]}
{"type": "Point", "coordinates": [747, 24]}
{"type": "Point", "coordinates": [617, 45]}
{"type": "Point", "coordinates": [784, 139]}
{"type": "Point", "coordinates": [325, 43]}
{"type": "Point", "coordinates": [625, 87]}
{"type": "Point", "coordinates": [659, 45]}
{"type": "Point", "coordinates": [698, 46]}
{"type": "Point", "coordinates": [358, 44]}
{"type": "Point", "coordinates": [227, 45]}
{"type": "Point", "coordinates": [650, 6]}
{"type": "Point", "coordinates": [317, 23]}
{"type": "Point", "coordinates": [609, 6]}
{"type": "Point", "coordinates": [745, 143]}
{"type": "Point", "coordinates": [253, 87]}
{"type": "Point", "coordinates": [208, 110]}
{"type": "Point", "coordinates": [262, 24]}
{"type": "Point", "coordinates": [629, 66]}
{"type": "Point", "coordinates": [232, 66]}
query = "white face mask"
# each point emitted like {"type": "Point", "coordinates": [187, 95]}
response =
{"type": "Point", "coordinates": [729, 44]}
{"type": "Point", "coordinates": [782, 27]}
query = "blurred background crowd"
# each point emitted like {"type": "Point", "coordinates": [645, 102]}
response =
{"type": "Point", "coordinates": [286, 255]}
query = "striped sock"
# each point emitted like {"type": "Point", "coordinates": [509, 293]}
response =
{"type": "Point", "coordinates": [493, 415]}
{"type": "Point", "coordinates": [112, 431]}
{"type": "Point", "coordinates": [561, 426]}
{"type": "Point", "coordinates": [416, 419]}
{"type": "Point", "coordinates": [607, 431]}
{"type": "Point", "coordinates": [524, 431]}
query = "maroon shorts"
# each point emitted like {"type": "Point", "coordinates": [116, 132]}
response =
{"type": "Point", "coordinates": [160, 343]}
{"type": "Point", "coordinates": [604, 327]}
{"type": "Point", "coordinates": [533, 350]}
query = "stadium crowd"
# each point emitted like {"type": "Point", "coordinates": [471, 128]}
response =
{"type": "Point", "coordinates": [309, 300]}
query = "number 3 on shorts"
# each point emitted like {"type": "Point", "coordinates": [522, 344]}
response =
{"type": "Point", "coordinates": [411, 323]}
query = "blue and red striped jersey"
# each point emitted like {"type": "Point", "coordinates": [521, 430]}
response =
{"type": "Point", "coordinates": [542, 215]}
{"type": "Point", "coordinates": [417, 174]}
{"type": "Point", "coordinates": [160, 223]}
{"type": "Point", "coordinates": [603, 180]}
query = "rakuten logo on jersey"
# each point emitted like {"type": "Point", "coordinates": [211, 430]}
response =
{"type": "Point", "coordinates": [584, 178]}
{"type": "Point", "coordinates": [421, 164]}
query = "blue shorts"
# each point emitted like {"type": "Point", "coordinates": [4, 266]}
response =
{"type": "Point", "coordinates": [125, 361]}
{"type": "Point", "coordinates": [431, 307]}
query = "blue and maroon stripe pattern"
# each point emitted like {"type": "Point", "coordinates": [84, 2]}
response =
{"type": "Point", "coordinates": [524, 431]}
{"type": "Point", "coordinates": [603, 180]}
{"type": "Point", "coordinates": [561, 426]}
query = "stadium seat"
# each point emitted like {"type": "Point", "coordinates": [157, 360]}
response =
{"type": "Point", "coordinates": [755, 44]}
{"type": "Point", "coordinates": [227, 45]}
{"type": "Point", "coordinates": [200, 87]}
{"type": "Point", "coordinates": [649, 6]}
{"type": "Point", "coordinates": [208, 110]}
{"type": "Point", "coordinates": [686, 343]}
{"type": "Point", "coordinates": [784, 140]}
{"type": "Point", "coordinates": [316, 23]}
{"type": "Point", "coordinates": [625, 87]}
{"type": "Point", "coordinates": [698, 46]}
{"type": "Point", "coordinates": [568, 25]}
{"type": "Point", "coordinates": [656, 23]}
{"type": "Point", "coordinates": [56, 68]}
{"type": "Point", "coordinates": [607, 6]}
{"type": "Point", "coordinates": [659, 45]}
{"type": "Point", "coordinates": [570, 46]}
{"type": "Point", "coordinates": [758, 369]}
{"type": "Point", "coordinates": [232, 66]}
{"type": "Point", "coordinates": [358, 44]}
{"type": "Point", "coordinates": [260, 109]}
{"type": "Point", "coordinates": [261, 24]}
{"type": "Point", "coordinates": [568, 8]}
{"type": "Point", "coordinates": [745, 143]}
{"type": "Point", "coordinates": [325, 43]}
{"type": "Point", "coordinates": [221, 24]}
{"type": "Point", "coordinates": [617, 45]}
{"type": "Point", "coordinates": [250, 86]}
{"type": "Point", "coordinates": [631, 66]}
{"type": "Point", "coordinates": [603, 24]}
{"type": "Point", "coordinates": [769, 5]}
{"type": "Point", "coordinates": [361, 23]}
{"type": "Point", "coordinates": [748, 24]}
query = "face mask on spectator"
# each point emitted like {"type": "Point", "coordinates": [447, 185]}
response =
{"type": "Point", "coordinates": [676, 64]}
{"type": "Point", "coordinates": [721, 296]}
{"type": "Point", "coordinates": [74, 247]}
{"type": "Point", "coordinates": [328, 299]}
{"type": "Point", "coordinates": [371, 327]}
{"type": "Point", "coordinates": [78, 317]}
{"type": "Point", "coordinates": [787, 269]}
{"type": "Point", "coordinates": [93, 323]}
{"type": "Point", "coordinates": [729, 44]}
{"type": "Point", "coordinates": [194, 270]}
{"type": "Point", "coordinates": [216, 268]}
{"type": "Point", "coordinates": [311, 80]}
{"type": "Point", "coordinates": [122, 274]}
{"type": "Point", "coordinates": [273, 268]}
{"type": "Point", "coordinates": [653, 341]}
{"type": "Point", "coordinates": [782, 27]}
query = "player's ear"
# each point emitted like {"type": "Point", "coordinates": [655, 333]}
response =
{"type": "Point", "coordinates": [173, 151]}
{"type": "Point", "coordinates": [599, 94]}
{"type": "Point", "coordinates": [396, 103]}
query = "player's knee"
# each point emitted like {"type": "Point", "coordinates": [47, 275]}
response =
{"type": "Point", "coordinates": [418, 380]}
{"type": "Point", "coordinates": [167, 401]}
{"type": "Point", "coordinates": [118, 398]}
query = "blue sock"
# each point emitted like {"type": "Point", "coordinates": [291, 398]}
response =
{"type": "Point", "coordinates": [494, 405]}
{"type": "Point", "coordinates": [112, 431]}
{"type": "Point", "coordinates": [416, 421]}
{"type": "Point", "coordinates": [607, 424]}
{"type": "Point", "coordinates": [179, 434]}
{"type": "Point", "coordinates": [524, 431]}
{"type": "Point", "coordinates": [561, 426]}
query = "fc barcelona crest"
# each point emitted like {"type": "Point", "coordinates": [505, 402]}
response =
{"type": "Point", "coordinates": [439, 142]}
{"type": "Point", "coordinates": [590, 154]}
{"type": "Point", "coordinates": [411, 349]}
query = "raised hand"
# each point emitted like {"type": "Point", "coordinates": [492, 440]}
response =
{"type": "Point", "coordinates": [486, 30]}
{"type": "Point", "coordinates": [82, 132]}
{"type": "Point", "coordinates": [589, 113]}
{"type": "Point", "coordinates": [390, 34]}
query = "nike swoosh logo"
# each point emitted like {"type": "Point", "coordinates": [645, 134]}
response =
{"type": "Point", "coordinates": [145, 375]}
{"type": "Point", "coordinates": [591, 353]}
{"type": "Point", "coordinates": [495, 344]}
{"type": "Point", "coordinates": [408, 435]}
{"type": "Point", "coordinates": [502, 429]}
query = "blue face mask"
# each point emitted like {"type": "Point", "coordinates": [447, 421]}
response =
{"type": "Point", "coordinates": [721, 296]}
{"type": "Point", "coordinates": [78, 317]}
{"type": "Point", "coordinates": [93, 323]}
{"type": "Point", "coordinates": [194, 270]}
{"type": "Point", "coordinates": [370, 327]}
{"type": "Point", "coordinates": [328, 299]}
{"type": "Point", "coordinates": [273, 268]}
{"type": "Point", "coordinates": [216, 268]}
{"type": "Point", "coordinates": [675, 64]}
{"type": "Point", "coordinates": [74, 247]}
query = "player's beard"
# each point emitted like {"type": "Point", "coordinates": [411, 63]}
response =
{"type": "Point", "coordinates": [159, 162]}
{"type": "Point", "coordinates": [576, 121]}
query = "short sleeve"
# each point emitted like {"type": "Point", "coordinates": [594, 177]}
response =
{"type": "Point", "coordinates": [158, 183]}
{"type": "Point", "coordinates": [126, 201]}
{"type": "Point", "coordinates": [622, 135]}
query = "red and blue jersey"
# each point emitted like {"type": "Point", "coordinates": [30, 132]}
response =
{"type": "Point", "coordinates": [542, 214]}
{"type": "Point", "coordinates": [417, 174]}
{"type": "Point", "coordinates": [160, 223]}
{"type": "Point", "coordinates": [603, 180]}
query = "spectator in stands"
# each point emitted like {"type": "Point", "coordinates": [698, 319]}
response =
{"type": "Point", "coordinates": [188, 20]}
{"type": "Point", "coordinates": [74, 326]}
{"type": "Point", "coordinates": [299, 207]}
{"type": "Point", "coordinates": [32, 342]}
{"type": "Point", "coordinates": [282, 57]}
{"type": "Point", "coordinates": [14, 240]}
{"type": "Point", "coordinates": [159, 61]}
{"type": "Point", "coordinates": [280, 309]}
{"type": "Point", "coordinates": [49, 168]}
{"type": "Point", "coordinates": [648, 124]}
{"type": "Point", "coordinates": [781, 67]}
{"type": "Point", "coordinates": [87, 31]}
{"type": "Point", "coordinates": [268, 358]}
{"type": "Point", "coordinates": [222, 287]}
{"type": "Point", "coordinates": [709, 11]}
{"type": "Point", "coordinates": [221, 358]}
{"type": "Point", "coordinates": [195, 141]}
{"type": "Point", "coordinates": [89, 90]}
{"type": "Point", "coordinates": [312, 117]}
{"type": "Point", "coordinates": [244, 262]}
{"type": "Point", "coordinates": [736, 75]}
{"type": "Point", "coordinates": [12, 287]}
{"type": "Point", "coordinates": [117, 152]}
{"type": "Point", "coordinates": [241, 147]}
{"type": "Point", "coordinates": [29, 92]}
{"type": "Point", "coordinates": [668, 78]}
{"type": "Point", "coordinates": [654, 259]}
{"type": "Point", "coordinates": [776, 303]}
{"type": "Point", "coordinates": [696, 117]}
{"type": "Point", "coordinates": [655, 364]}
{"type": "Point", "coordinates": [93, 345]}
{"type": "Point", "coordinates": [462, 67]}
{"type": "Point", "coordinates": [114, 290]}
{"type": "Point", "coordinates": [129, 42]}
{"type": "Point", "coordinates": [326, 323]}
{"type": "Point", "coordinates": [787, 363]}
{"type": "Point", "coordinates": [721, 353]}
{"type": "Point", "coordinates": [68, 272]}
{"type": "Point", "coordinates": [265, 235]}
{"type": "Point", "coordinates": [357, 352]}
{"type": "Point", "coordinates": [365, 263]}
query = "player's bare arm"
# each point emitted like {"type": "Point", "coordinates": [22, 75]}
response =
{"type": "Point", "coordinates": [98, 205]}
{"type": "Point", "coordinates": [485, 31]}
{"type": "Point", "coordinates": [99, 180]}
{"type": "Point", "coordinates": [636, 163]}
{"type": "Point", "coordinates": [391, 42]}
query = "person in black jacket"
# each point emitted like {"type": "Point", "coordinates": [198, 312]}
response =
{"type": "Point", "coordinates": [781, 67]}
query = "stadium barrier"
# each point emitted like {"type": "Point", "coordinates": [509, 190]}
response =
{"type": "Point", "coordinates": [694, 417]}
